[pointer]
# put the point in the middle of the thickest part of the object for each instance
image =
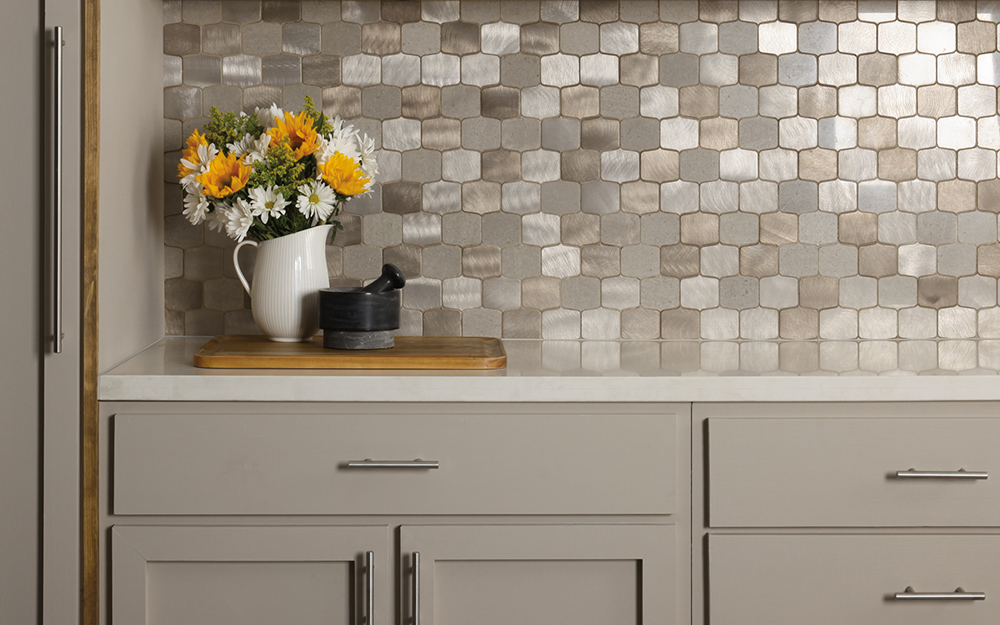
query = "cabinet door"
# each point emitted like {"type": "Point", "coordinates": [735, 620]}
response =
{"type": "Point", "coordinates": [248, 575]}
{"type": "Point", "coordinates": [579, 574]}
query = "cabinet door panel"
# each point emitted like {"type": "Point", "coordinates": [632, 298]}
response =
{"type": "Point", "coordinates": [500, 462]}
{"type": "Point", "coordinates": [246, 575]}
{"type": "Point", "coordinates": [833, 580]}
{"type": "Point", "coordinates": [580, 574]}
{"type": "Point", "coordinates": [841, 472]}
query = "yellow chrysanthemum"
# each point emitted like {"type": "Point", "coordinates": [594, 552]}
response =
{"type": "Point", "coordinates": [226, 175]}
{"type": "Point", "coordinates": [191, 154]}
{"type": "Point", "coordinates": [299, 131]}
{"type": "Point", "coordinates": [344, 175]}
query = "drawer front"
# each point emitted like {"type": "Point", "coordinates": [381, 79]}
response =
{"type": "Point", "coordinates": [499, 463]}
{"type": "Point", "coordinates": [842, 472]}
{"type": "Point", "coordinates": [833, 580]}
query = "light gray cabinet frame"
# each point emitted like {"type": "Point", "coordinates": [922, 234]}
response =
{"type": "Point", "coordinates": [134, 547]}
{"type": "Point", "coordinates": [652, 547]}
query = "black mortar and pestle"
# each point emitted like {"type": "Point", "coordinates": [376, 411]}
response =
{"type": "Point", "coordinates": [362, 317]}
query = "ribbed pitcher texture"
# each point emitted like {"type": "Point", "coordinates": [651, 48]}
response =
{"type": "Point", "coordinates": [287, 276]}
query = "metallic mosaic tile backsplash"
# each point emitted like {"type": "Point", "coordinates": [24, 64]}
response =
{"type": "Point", "coordinates": [633, 169]}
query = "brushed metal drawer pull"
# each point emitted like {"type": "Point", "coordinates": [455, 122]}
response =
{"type": "Point", "coordinates": [961, 474]}
{"type": "Point", "coordinates": [959, 595]}
{"type": "Point", "coordinates": [368, 463]}
{"type": "Point", "coordinates": [416, 587]}
{"type": "Point", "coordinates": [370, 587]}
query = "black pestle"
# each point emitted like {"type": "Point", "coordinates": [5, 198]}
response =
{"type": "Point", "coordinates": [391, 278]}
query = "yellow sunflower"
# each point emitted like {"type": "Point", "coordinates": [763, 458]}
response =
{"type": "Point", "coordinates": [344, 174]}
{"type": "Point", "coordinates": [226, 175]}
{"type": "Point", "coordinates": [191, 156]}
{"type": "Point", "coordinates": [299, 131]}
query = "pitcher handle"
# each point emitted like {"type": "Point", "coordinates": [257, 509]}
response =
{"type": "Point", "coordinates": [236, 262]}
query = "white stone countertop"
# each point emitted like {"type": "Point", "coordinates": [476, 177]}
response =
{"type": "Point", "coordinates": [595, 371]}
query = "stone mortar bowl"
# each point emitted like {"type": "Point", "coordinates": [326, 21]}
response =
{"type": "Point", "coordinates": [353, 318]}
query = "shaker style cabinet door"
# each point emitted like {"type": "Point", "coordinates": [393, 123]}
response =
{"type": "Point", "coordinates": [579, 574]}
{"type": "Point", "coordinates": [224, 575]}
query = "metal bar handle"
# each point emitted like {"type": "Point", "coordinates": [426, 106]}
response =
{"type": "Point", "coordinates": [961, 474]}
{"type": "Point", "coordinates": [416, 587]}
{"type": "Point", "coordinates": [370, 588]}
{"type": "Point", "coordinates": [368, 463]}
{"type": "Point", "coordinates": [959, 595]}
{"type": "Point", "coordinates": [57, 190]}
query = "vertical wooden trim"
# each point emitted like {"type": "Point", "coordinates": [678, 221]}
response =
{"type": "Point", "coordinates": [90, 594]}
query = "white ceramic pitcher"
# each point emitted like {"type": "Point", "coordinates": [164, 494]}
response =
{"type": "Point", "coordinates": [288, 274]}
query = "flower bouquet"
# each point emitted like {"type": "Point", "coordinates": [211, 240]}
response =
{"type": "Point", "coordinates": [273, 173]}
{"type": "Point", "coordinates": [277, 178]}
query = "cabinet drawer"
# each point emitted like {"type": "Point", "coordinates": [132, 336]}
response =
{"type": "Point", "coordinates": [496, 462]}
{"type": "Point", "coordinates": [832, 580]}
{"type": "Point", "coordinates": [841, 472]}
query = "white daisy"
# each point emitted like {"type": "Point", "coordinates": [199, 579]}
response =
{"type": "Point", "coordinates": [205, 155]}
{"type": "Point", "coordinates": [266, 116]}
{"type": "Point", "coordinates": [195, 207]}
{"type": "Point", "coordinates": [316, 200]}
{"type": "Point", "coordinates": [367, 160]}
{"type": "Point", "coordinates": [238, 219]}
{"type": "Point", "coordinates": [218, 218]}
{"type": "Point", "coordinates": [267, 202]}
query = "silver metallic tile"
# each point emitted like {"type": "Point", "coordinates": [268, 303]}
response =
{"type": "Point", "coordinates": [540, 166]}
{"type": "Point", "coordinates": [501, 293]}
{"type": "Point", "coordinates": [916, 132]}
{"type": "Point", "coordinates": [619, 38]}
{"type": "Point", "coordinates": [719, 261]}
{"type": "Point", "coordinates": [858, 164]}
{"type": "Point", "coordinates": [520, 70]}
{"type": "Point", "coordinates": [977, 101]}
{"type": "Point", "coordinates": [540, 229]}
{"type": "Point", "coordinates": [777, 38]}
{"type": "Point", "coordinates": [737, 38]}
{"type": "Point", "coordinates": [521, 198]}
{"type": "Point", "coordinates": [717, 197]}
{"type": "Point", "coordinates": [720, 324]}
{"type": "Point", "coordinates": [700, 293]}
{"type": "Point", "coordinates": [778, 101]}
{"type": "Point", "coordinates": [361, 70]}
{"type": "Point", "coordinates": [778, 165]}
{"type": "Point", "coordinates": [440, 69]}
{"type": "Point", "coordinates": [738, 101]}
{"type": "Point", "coordinates": [957, 259]}
{"type": "Point", "coordinates": [797, 133]}
{"type": "Point", "coordinates": [876, 10]}
{"type": "Point", "coordinates": [759, 324]}
{"type": "Point", "coordinates": [477, 69]}
{"type": "Point", "coordinates": [779, 292]}
{"type": "Point", "coordinates": [977, 164]}
{"type": "Point", "coordinates": [440, 11]}
{"type": "Point", "coordinates": [897, 38]}
{"type": "Point", "coordinates": [988, 68]}
{"type": "Point", "coordinates": [758, 11]}
{"type": "Point", "coordinates": [897, 101]}
{"type": "Point", "coordinates": [460, 165]}
{"type": "Point", "coordinates": [720, 69]}
{"type": "Point", "coordinates": [818, 228]}
{"type": "Point", "coordinates": [172, 72]}
{"type": "Point", "coordinates": [620, 165]}
{"type": "Point", "coordinates": [301, 38]}
{"type": "Point", "coordinates": [977, 228]}
{"type": "Point", "coordinates": [898, 228]}
{"type": "Point", "coordinates": [857, 37]}
{"type": "Point", "coordinates": [400, 69]}
{"type": "Point", "coordinates": [961, 69]}
{"type": "Point", "coordinates": [540, 102]}
{"type": "Point", "coordinates": [917, 69]}
{"type": "Point", "coordinates": [797, 69]}
{"type": "Point", "coordinates": [837, 69]}
{"type": "Point", "coordinates": [182, 103]}
{"type": "Point", "coordinates": [977, 292]}
{"type": "Point", "coordinates": [917, 260]}
{"type": "Point", "coordinates": [699, 38]}
{"type": "Point", "coordinates": [441, 197]}
{"type": "Point", "coordinates": [599, 70]}
{"type": "Point", "coordinates": [500, 38]}
{"type": "Point", "coordinates": [679, 133]}
{"type": "Point", "coordinates": [877, 196]}
{"type": "Point", "coordinates": [936, 38]}
{"type": "Point", "coordinates": [560, 11]}
{"type": "Point", "coordinates": [281, 70]}
{"type": "Point", "coordinates": [241, 70]}
{"type": "Point", "coordinates": [262, 38]}
{"type": "Point", "coordinates": [838, 196]}
{"type": "Point", "coordinates": [956, 132]}
{"type": "Point", "coordinates": [560, 324]}
{"type": "Point", "coordinates": [561, 261]}
{"type": "Point", "coordinates": [818, 38]}
{"type": "Point", "coordinates": [401, 134]}
{"type": "Point", "coordinates": [679, 70]}
{"type": "Point", "coordinates": [560, 70]}
{"type": "Point", "coordinates": [988, 10]}
{"type": "Point", "coordinates": [738, 165]}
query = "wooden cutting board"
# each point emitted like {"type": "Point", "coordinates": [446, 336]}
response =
{"type": "Point", "coordinates": [410, 352]}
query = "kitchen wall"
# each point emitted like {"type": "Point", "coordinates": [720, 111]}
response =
{"type": "Point", "coordinates": [631, 169]}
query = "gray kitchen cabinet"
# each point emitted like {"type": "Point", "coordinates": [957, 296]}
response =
{"type": "Point", "coordinates": [250, 575]}
{"type": "Point", "coordinates": [846, 513]}
{"type": "Point", "coordinates": [40, 310]}
{"type": "Point", "coordinates": [578, 574]}
{"type": "Point", "coordinates": [561, 513]}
